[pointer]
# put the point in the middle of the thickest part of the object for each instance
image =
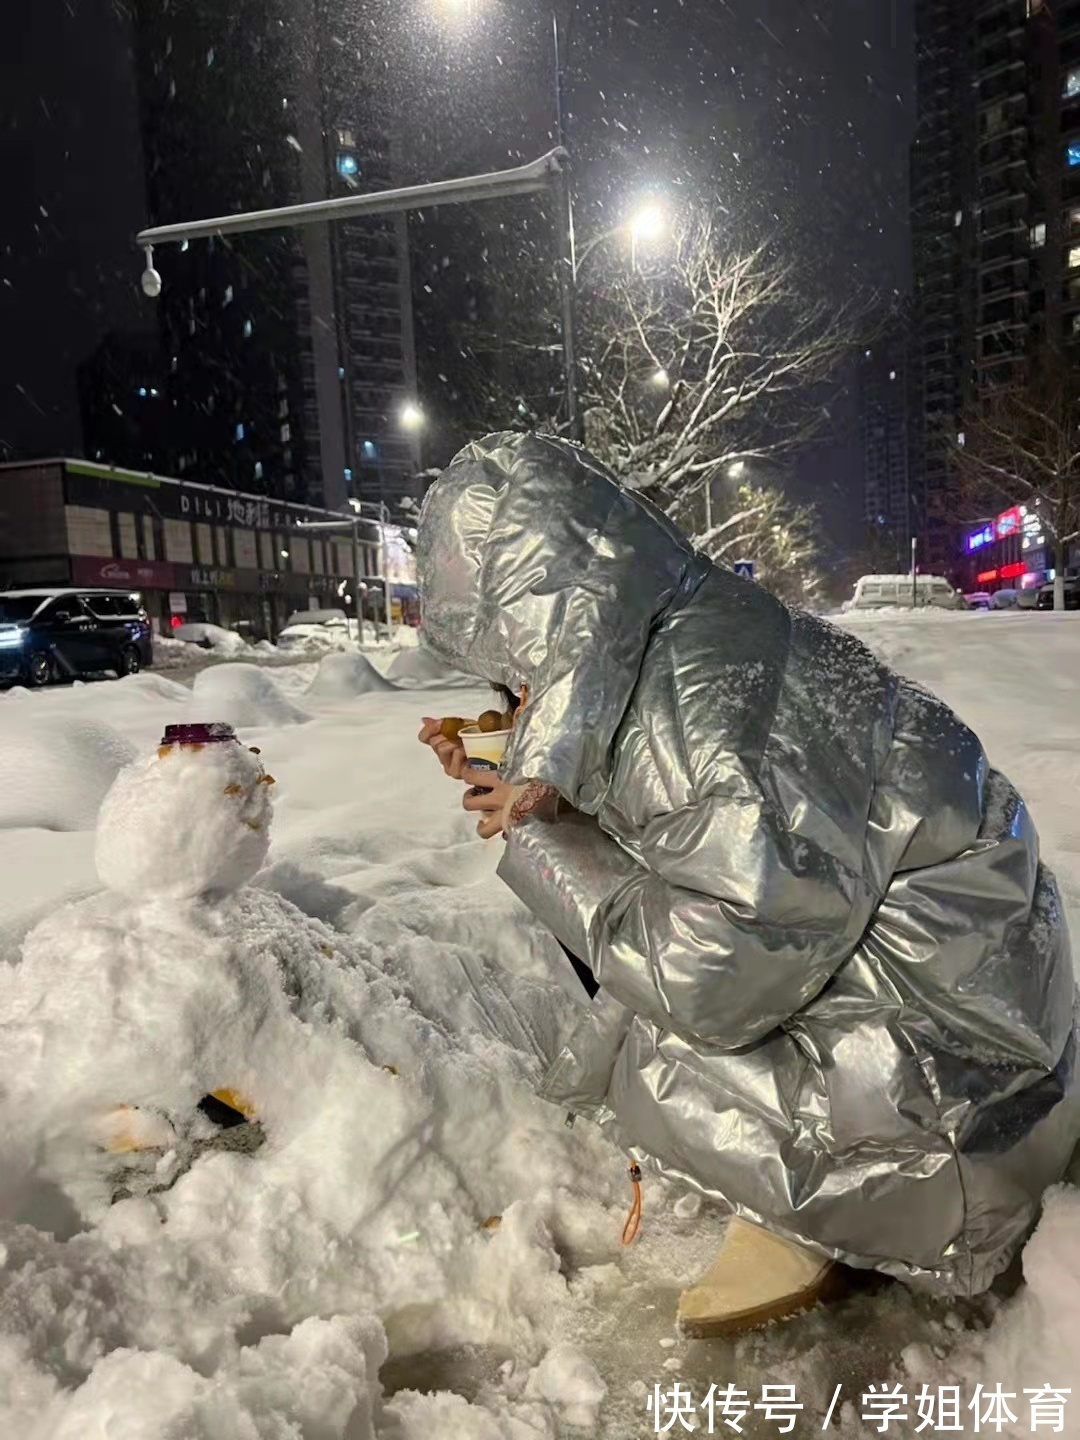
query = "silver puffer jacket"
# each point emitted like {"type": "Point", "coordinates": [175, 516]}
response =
{"type": "Point", "coordinates": [836, 989]}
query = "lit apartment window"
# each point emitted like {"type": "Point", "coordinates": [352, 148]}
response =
{"type": "Point", "coordinates": [1072, 83]}
{"type": "Point", "coordinates": [1072, 154]}
{"type": "Point", "coordinates": [1074, 257]}
{"type": "Point", "coordinates": [346, 139]}
{"type": "Point", "coordinates": [1038, 234]}
{"type": "Point", "coordinates": [347, 164]}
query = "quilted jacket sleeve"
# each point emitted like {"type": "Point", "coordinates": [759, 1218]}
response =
{"type": "Point", "coordinates": [720, 950]}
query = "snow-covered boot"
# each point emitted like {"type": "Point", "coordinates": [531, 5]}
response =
{"type": "Point", "coordinates": [757, 1277]}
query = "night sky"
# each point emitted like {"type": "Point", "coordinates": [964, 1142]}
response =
{"type": "Point", "coordinates": [793, 113]}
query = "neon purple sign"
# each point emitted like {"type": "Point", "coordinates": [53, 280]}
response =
{"type": "Point", "coordinates": [979, 538]}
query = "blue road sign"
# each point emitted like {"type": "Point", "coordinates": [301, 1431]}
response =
{"type": "Point", "coordinates": [745, 569]}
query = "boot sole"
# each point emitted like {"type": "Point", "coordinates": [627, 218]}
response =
{"type": "Point", "coordinates": [832, 1285]}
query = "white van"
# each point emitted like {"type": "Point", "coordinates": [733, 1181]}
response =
{"type": "Point", "coordinates": [876, 592]}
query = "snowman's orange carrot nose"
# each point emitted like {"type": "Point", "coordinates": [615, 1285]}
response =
{"type": "Point", "coordinates": [233, 790]}
{"type": "Point", "coordinates": [268, 780]}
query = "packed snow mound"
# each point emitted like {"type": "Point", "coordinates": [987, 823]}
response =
{"type": "Point", "coordinates": [406, 637]}
{"type": "Point", "coordinates": [170, 654]}
{"type": "Point", "coordinates": [56, 767]}
{"type": "Point", "coordinates": [149, 686]}
{"type": "Point", "coordinates": [185, 822]}
{"type": "Point", "coordinates": [340, 677]}
{"type": "Point", "coordinates": [421, 665]}
{"type": "Point", "coordinates": [242, 695]}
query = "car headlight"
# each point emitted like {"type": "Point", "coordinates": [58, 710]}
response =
{"type": "Point", "coordinates": [9, 638]}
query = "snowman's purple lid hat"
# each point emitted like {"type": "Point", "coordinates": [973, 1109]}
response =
{"type": "Point", "coordinates": [216, 733]}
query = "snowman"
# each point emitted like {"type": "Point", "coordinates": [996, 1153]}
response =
{"type": "Point", "coordinates": [135, 1029]}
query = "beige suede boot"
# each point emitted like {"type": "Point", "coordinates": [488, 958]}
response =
{"type": "Point", "coordinates": [757, 1277]}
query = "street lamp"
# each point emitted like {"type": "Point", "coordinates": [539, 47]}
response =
{"type": "Point", "coordinates": [661, 379]}
{"type": "Point", "coordinates": [411, 416]}
{"type": "Point", "coordinates": [737, 469]}
{"type": "Point", "coordinates": [644, 225]}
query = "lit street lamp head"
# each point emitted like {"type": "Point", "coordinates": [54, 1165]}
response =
{"type": "Point", "coordinates": [660, 379]}
{"type": "Point", "coordinates": [411, 416]}
{"type": "Point", "coordinates": [649, 223]}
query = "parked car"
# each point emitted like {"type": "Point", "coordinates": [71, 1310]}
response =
{"type": "Point", "coordinates": [1027, 597]}
{"type": "Point", "coordinates": [878, 592]}
{"type": "Point", "coordinates": [48, 635]}
{"type": "Point", "coordinates": [978, 600]}
{"type": "Point", "coordinates": [317, 631]}
{"type": "Point", "coordinates": [1006, 599]}
{"type": "Point", "coordinates": [210, 637]}
{"type": "Point", "coordinates": [1045, 599]}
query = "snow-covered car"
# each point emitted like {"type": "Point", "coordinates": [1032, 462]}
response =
{"type": "Point", "coordinates": [211, 637]}
{"type": "Point", "coordinates": [317, 631]}
{"type": "Point", "coordinates": [1006, 599]}
{"type": "Point", "coordinates": [978, 600]}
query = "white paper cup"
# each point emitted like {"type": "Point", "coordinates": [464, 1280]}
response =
{"type": "Point", "coordinates": [485, 749]}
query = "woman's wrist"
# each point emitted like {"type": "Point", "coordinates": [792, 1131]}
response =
{"type": "Point", "coordinates": [532, 800]}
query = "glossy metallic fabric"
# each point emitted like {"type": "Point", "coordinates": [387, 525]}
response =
{"type": "Point", "coordinates": [836, 983]}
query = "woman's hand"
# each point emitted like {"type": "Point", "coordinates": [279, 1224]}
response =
{"type": "Point", "coordinates": [490, 797]}
{"type": "Point", "coordinates": [450, 753]}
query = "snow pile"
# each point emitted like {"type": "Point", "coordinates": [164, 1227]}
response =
{"type": "Point", "coordinates": [55, 768]}
{"type": "Point", "coordinates": [420, 666]}
{"type": "Point", "coordinates": [243, 695]}
{"type": "Point", "coordinates": [341, 677]}
{"type": "Point", "coordinates": [171, 654]}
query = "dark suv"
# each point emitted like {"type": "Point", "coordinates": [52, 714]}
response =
{"type": "Point", "coordinates": [48, 635]}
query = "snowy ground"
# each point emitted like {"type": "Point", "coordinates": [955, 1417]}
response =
{"type": "Point", "coordinates": [258, 1297]}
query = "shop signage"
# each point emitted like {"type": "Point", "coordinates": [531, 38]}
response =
{"type": "Point", "coordinates": [1009, 522]}
{"type": "Point", "coordinates": [149, 574]}
{"type": "Point", "coordinates": [979, 538]}
{"type": "Point", "coordinates": [203, 577]}
{"type": "Point", "coordinates": [173, 500]}
{"type": "Point", "coordinates": [178, 602]}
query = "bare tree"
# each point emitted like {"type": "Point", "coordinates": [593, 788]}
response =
{"type": "Point", "coordinates": [759, 522]}
{"type": "Point", "coordinates": [1022, 444]}
{"type": "Point", "coordinates": [710, 356]}
{"type": "Point", "coordinates": [705, 358]}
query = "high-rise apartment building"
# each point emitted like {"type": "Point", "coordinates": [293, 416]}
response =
{"type": "Point", "coordinates": [996, 220]}
{"type": "Point", "coordinates": [884, 404]}
{"type": "Point", "coordinates": [287, 355]}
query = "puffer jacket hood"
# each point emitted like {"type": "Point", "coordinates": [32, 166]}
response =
{"type": "Point", "coordinates": [504, 606]}
{"type": "Point", "coordinates": [836, 991]}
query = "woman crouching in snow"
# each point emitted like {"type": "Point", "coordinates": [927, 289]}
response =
{"type": "Point", "coordinates": [835, 989]}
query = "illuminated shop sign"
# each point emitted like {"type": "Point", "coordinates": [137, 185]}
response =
{"type": "Point", "coordinates": [1017, 520]}
{"type": "Point", "coordinates": [1009, 522]}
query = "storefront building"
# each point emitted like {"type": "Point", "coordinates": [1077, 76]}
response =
{"type": "Point", "coordinates": [1013, 550]}
{"type": "Point", "coordinates": [195, 552]}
